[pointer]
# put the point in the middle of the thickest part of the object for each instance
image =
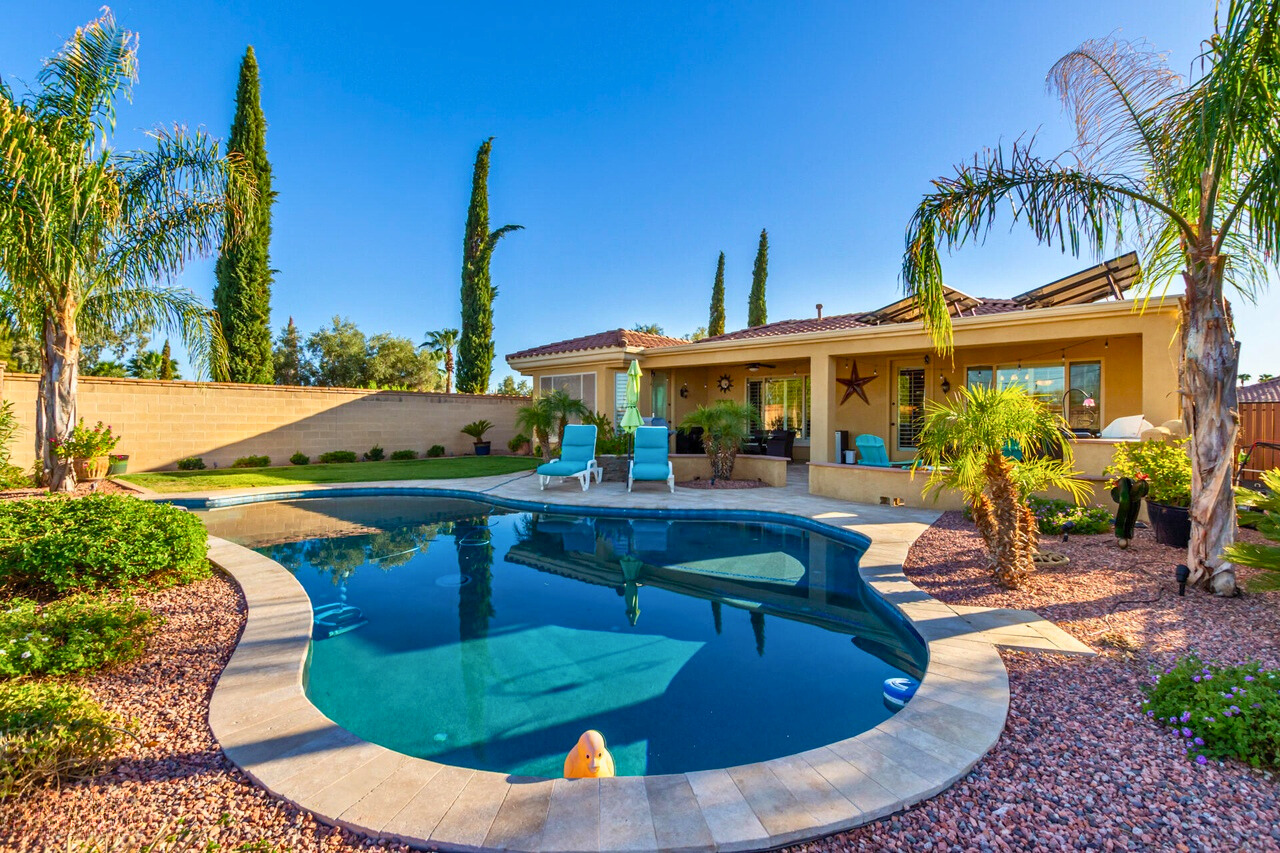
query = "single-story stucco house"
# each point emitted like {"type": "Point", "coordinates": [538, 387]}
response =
{"type": "Point", "coordinates": [1079, 344]}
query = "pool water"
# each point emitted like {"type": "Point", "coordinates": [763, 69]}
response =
{"type": "Point", "coordinates": [478, 636]}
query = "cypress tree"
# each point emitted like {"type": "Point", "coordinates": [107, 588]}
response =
{"type": "Point", "coordinates": [166, 362]}
{"type": "Point", "coordinates": [757, 314]}
{"type": "Point", "coordinates": [716, 326]}
{"type": "Point", "coordinates": [288, 356]}
{"type": "Point", "coordinates": [243, 293]}
{"type": "Point", "coordinates": [475, 349]}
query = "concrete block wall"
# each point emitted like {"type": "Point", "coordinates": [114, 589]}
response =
{"type": "Point", "coordinates": [162, 422]}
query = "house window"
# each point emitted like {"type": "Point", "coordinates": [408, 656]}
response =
{"type": "Point", "coordinates": [619, 398]}
{"type": "Point", "coordinates": [579, 386]}
{"type": "Point", "coordinates": [1079, 384]}
{"type": "Point", "coordinates": [781, 403]}
{"type": "Point", "coordinates": [910, 406]}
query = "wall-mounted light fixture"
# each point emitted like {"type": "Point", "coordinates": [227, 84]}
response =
{"type": "Point", "coordinates": [926, 358]}
{"type": "Point", "coordinates": [946, 385]}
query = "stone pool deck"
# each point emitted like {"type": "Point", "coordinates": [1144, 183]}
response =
{"type": "Point", "coordinates": [264, 722]}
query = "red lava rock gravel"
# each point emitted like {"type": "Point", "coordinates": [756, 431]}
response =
{"type": "Point", "coordinates": [1079, 767]}
{"type": "Point", "coordinates": [721, 484]}
{"type": "Point", "coordinates": [165, 695]}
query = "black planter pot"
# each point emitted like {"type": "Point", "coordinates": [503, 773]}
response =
{"type": "Point", "coordinates": [482, 448]}
{"type": "Point", "coordinates": [1171, 524]}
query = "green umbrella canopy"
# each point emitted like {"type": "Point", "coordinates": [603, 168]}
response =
{"type": "Point", "coordinates": [631, 417]}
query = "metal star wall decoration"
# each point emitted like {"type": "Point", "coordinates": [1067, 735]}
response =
{"type": "Point", "coordinates": [854, 385]}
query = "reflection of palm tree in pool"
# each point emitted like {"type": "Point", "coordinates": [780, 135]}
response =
{"type": "Point", "coordinates": [715, 616]}
{"type": "Point", "coordinates": [757, 625]}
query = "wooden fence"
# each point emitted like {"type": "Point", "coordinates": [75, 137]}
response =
{"type": "Point", "coordinates": [1259, 422]}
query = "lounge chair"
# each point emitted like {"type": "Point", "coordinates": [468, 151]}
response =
{"type": "Point", "coordinates": [577, 458]}
{"type": "Point", "coordinates": [650, 460]}
{"type": "Point", "coordinates": [871, 453]}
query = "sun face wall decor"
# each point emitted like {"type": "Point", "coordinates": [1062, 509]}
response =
{"type": "Point", "coordinates": [725, 383]}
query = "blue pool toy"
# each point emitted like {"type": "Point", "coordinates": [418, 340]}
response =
{"type": "Point", "coordinates": [898, 691]}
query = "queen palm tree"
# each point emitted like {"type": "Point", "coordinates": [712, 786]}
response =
{"type": "Point", "coordinates": [966, 445]}
{"type": "Point", "coordinates": [442, 344]}
{"type": "Point", "coordinates": [91, 238]}
{"type": "Point", "coordinates": [1192, 170]}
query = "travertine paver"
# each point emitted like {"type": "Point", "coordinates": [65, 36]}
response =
{"type": "Point", "coordinates": [264, 722]}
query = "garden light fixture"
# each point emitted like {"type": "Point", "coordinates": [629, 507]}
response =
{"type": "Point", "coordinates": [1183, 574]}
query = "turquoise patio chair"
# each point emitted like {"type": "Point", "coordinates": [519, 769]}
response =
{"type": "Point", "coordinates": [871, 453]}
{"type": "Point", "coordinates": [650, 460]}
{"type": "Point", "coordinates": [577, 458]}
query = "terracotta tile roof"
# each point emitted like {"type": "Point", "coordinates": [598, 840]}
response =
{"type": "Point", "coordinates": [793, 327]}
{"type": "Point", "coordinates": [1260, 392]}
{"type": "Point", "coordinates": [602, 340]}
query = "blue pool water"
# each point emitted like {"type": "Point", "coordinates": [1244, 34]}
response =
{"type": "Point", "coordinates": [485, 637]}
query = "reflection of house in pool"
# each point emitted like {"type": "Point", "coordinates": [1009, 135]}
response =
{"type": "Point", "coordinates": [789, 573]}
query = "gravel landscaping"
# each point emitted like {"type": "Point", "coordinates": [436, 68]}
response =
{"type": "Point", "coordinates": [1079, 765]}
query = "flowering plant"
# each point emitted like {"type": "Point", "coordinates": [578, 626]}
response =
{"type": "Point", "coordinates": [1165, 465]}
{"type": "Point", "coordinates": [1219, 711]}
{"type": "Point", "coordinates": [86, 442]}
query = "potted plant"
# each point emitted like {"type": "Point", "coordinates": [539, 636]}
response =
{"type": "Point", "coordinates": [1167, 469]}
{"type": "Point", "coordinates": [88, 449]}
{"type": "Point", "coordinates": [119, 464]}
{"type": "Point", "coordinates": [477, 429]}
{"type": "Point", "coordinates": [520, 445]}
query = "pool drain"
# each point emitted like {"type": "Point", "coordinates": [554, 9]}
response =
{"type": "Point", "coordinates": [453, 581]}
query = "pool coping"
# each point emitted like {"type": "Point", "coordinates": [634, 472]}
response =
{"type": "Point", "coordinates": [260, 715]}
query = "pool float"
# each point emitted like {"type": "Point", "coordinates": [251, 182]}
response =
{"type": "Point", "coordinates": [589, 759]}
{"type": "Point", "coordinates": [898, 691]}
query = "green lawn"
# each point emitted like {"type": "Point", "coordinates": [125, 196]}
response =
{"type": "Point", "coordinates": [358, 472]}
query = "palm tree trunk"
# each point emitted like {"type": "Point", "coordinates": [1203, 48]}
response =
{"type": "Point", "coordinates": [1009, 549]}
{"type": "Point", "coordinates": [448, 371]}
{"type": "Point", "coordinates": [1211, 416]}
{"type": "Point", "coordinates": [56, 402]}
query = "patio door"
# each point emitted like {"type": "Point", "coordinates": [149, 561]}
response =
{"type": "Point", "coordinates": [908, 414]}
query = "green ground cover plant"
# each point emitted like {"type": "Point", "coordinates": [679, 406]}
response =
{"type": "Point", "coordinates": [338, 457]}
{"type": "Point", "coordinates": [299, 458]}
{"type": "Point", "coordinates": [82, 632]}
{"type": "Point", "coordinates": [1054, 515]}
{"type": "Point", "coordinates": [435, 451]}
{"type": "Point", "coordinates": [454, 467]}
{"type": "Point", "coordinates": [403, 455]}
{"type": "Point", "coordinates": [191, 463]}
{"type": "Point", "coordinates": [50, 733]}
{"type": "Point", "coordinates": [252, 462]}
{"type": "Point", "coordinates": [1219, 711]}
{"type": "Point", "coordinates": [51, 547]}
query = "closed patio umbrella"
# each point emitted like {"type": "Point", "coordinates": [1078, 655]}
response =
{"type": "Point", "coordinates": [631, 415]}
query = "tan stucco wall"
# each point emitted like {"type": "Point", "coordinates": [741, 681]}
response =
{"type": "Point", "coordinates": [770, 470]}
{"type": "Point", "coordinates": [162, 422]}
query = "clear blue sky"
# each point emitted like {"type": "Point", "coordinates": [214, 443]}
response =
{"type": "Point", "coordinates": [634, 142]}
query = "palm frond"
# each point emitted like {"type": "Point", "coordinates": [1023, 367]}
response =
{"type": "Point", "coordinates": [169, 309]}
{"type": "Point", "coordinates": [82, 83]}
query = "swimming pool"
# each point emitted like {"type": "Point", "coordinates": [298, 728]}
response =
{"type": "Point", "coordinates": [478, 635]}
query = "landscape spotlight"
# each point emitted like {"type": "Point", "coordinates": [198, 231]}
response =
{"type": "Point", "coordinates": [1183, 574]}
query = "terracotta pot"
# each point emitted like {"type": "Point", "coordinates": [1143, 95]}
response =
{"type": "Point", "coordinates": [93, 468]}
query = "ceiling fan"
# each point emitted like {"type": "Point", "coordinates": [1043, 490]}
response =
{"type": "Point", "coordinates": [756, 365]}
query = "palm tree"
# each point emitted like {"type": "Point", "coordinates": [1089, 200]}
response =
{"type": "Point", "coordinates": [1266, 377]}
{"type": "Point", "coordinates": [562, 408]}
{"type": "Point", "coordinates": [1193, 169]}
{"type": "Point", "coordinates": [442, 345]}
{"type": "Point", "coordinates": [537, 420]}
{"type": "Point", "coordinates": [725, 425]}
{"type": "Point", "coordinates": [967, 445]}
{"type": "Point", "coordinates": [1244, 378]}
{"type": "Point", "coordinates": [86, 231]}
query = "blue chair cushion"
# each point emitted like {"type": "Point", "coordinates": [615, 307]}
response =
{"type": "Point", "coordinates": [561, 468]}
{"type": "Point", "coordinates": [650, 471]}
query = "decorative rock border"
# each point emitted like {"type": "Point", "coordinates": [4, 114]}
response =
{"type": "Point", "coordinates": [266, 725]}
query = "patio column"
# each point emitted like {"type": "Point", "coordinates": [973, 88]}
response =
{"type": "Point", "coordinates": [820, 437]}
{"type": "Point", "coordinates": [1160, 401]}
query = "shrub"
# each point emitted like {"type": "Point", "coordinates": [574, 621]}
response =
{"type": "Point", "coordinates": [191, 463]}
{"type": "Point", "coordinates": [50, 733]}
{"type": "Point", "coordinates": [518, 442]}
{"type": "Point", "coordinates": [11, 476]}
{"type": "Point", "coordinates": [403, 455]}
{"type": "Point", "coordinates": [86, 442]}
{"type": "Point", "coordinates": [98, 542]}
{"type": "Point", "coordinates": [609, 441]}
{"type": "Point", "coordinates": [1167, 467]}
{"type": "Point", "coordinates": [300, 458]}
{"type": "Point", "coordinates": [70, 635]}
{"type": "Point", "coordinates": [338, 456]}
{"type": "Point", "coordinates": [1219, 711]}
{"type": "Point", "coordinates": [1053, 516]}
{"type": "Point", "coordinates": [374, 454]}
{"type": "Point", "coordinates": [435, 451]}
{"type": "Point", "coordinates": [252, 462]}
